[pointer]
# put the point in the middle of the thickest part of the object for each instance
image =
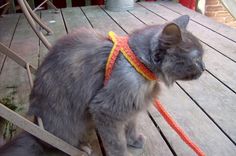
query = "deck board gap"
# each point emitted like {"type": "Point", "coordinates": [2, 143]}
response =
{"type": "Point", "coordinates": [100, 143]}
{"type": "Point", "coordinates": [152, 11]}
{"type": "Point", "coordinates": [39, 41]}
{"type": "Point", "coordinates": [87, 17]}
{"type": "Point", "coordinates": [114, 20]}
{"type": "Point", "coordinates": [162, 135]}
{"type": "Point", "coordinates": [198, 23]}
{"type": "Point", "coordinates": [137, 17]}
{"type": "Point", "coordinates": [5, 57]}
{"type": "Point", "coordinates": [15, 30]}
{"type": "Point", "coordinates": [64, 22]}
{"type": "Point", "coordinates": [201, 108]}
{"type": "Point", "coordinates": [218, 51]}
{"type": "Point", "coordinates": [221, 81]}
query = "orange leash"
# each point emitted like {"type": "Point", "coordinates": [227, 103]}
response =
{"type": "Point", "coordinates": [177, 128]}
{"type": "Point", "coordinates": [121, 45]}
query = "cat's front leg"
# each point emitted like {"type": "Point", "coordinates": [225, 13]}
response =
{"type": "Point", "coordinates": [133, 137]}
{"type": "Point", "coordinates": [112, 134]}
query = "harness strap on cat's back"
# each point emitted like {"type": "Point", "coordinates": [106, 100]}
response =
{"type": "Point", "coordinates": [113, 54]}
{"type": "Point", "coordinates": [120, 44]}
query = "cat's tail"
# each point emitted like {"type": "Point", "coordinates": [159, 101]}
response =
{"type": "Point", "coordinates": [23, 145]}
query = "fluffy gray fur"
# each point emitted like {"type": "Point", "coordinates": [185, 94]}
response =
{"type": "Point", "coordinates": [69, 95]}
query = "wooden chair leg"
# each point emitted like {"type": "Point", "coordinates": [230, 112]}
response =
{"type": "Point", "coordinates": [32, 23]}
{"type": "Point", "coordinates": [30, 69]}
{"type": "Point", "coordinates": [52, 6]}
{"type": "Point", "coordinates": [18, 59]}
{"type": "Point", "coordinates": [35, 17]}
{"type": "Point", "coordinates": [5, 7]}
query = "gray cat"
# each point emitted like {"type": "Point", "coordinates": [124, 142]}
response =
{"type": "Point", "coordinates": [70, 97]}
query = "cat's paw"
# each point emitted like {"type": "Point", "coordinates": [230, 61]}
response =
{"type": "Point", "coordinates": [86, 149]}
{"type": "Point", "coordinates": [137, 142]}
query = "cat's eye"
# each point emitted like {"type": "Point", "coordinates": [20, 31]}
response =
{"type": "Point", "coordinates": [159, 56]}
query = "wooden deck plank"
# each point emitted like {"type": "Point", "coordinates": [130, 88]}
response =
{"type": "Point", "coordinates": [101, 21]}
{"type": "Point", "coordinates": [127, 21]}
{"type": "Point", "coordinates": [222, 29]}
{"type": "Point", "coordinates": [13, 76]}
{"type": "Point", "coordinates": [217, 100]}
{"type": "Point", "coordinates": [221, 67]}
{"type": "Point", "coordinates": [226, 46]}
{"type": "Point", "coordinates": [55, 22]}
{"type": "Point", "coordinates": [74, 19]}
{"type": "Point", "coordinates": [195, 123]}
{"type": "Point", "coordinates": [8, 25]}
{"type": "Point", "coordinates": [224, 69]}
{"type": "Point", "coordinates": [155, 144]}
{"type": "Point", "coordinates": [7, 28]}
{"type": "Point", "coordinates": [201, 117]}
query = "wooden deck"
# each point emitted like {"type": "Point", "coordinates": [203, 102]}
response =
{"type": "Point", "coordinates": [205, 108]}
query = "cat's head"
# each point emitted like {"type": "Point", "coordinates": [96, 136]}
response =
{"type": "Point", "coordinates": [176, 52]}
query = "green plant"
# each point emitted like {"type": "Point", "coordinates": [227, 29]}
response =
{"type": "Point", "coordinates": [8, 128]}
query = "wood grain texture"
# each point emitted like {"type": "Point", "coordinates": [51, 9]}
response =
{"type": "Point", "coordinates": [55, 22]}
{"type": "Point", "coordinates": [7, 27]}
{"type": "Point", "coordinates": [101, 21]}
{"type": "Point", "coordinates": [202, 19]}
{"type": "Point", "coordinates": [155, 144]}
{"type": "Point", "coordinates": [13, 76]}
{"type": "Point", "coordinates": [194, 122]}
{"type": "Point", "coordinates": [127, 21]}
{"type": "Point", "coordinates": [38, 132]}
{"type": "Point", "coordinates": [217, 100]}
{"type": "Point", "coordinates": [216, 41]}
{"type": "Point", "coordinates": [75, 19]}
{"type": "Point", "coordinates": [221, 67]}
{"type": "Point", "coordinates": [149, 18]}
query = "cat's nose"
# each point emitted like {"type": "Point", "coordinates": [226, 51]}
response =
{"type": "Point", "coordinates": [203, 66]}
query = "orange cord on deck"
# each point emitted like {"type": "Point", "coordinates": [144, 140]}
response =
{"type": "Point", "coordinates": [121, 45]}
{"type": "Point", "coordinates": [177, 128]}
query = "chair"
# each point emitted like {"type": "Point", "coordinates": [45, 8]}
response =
{"type": "Point", "coordinates": [5, 6]}
{"type": "Point", "coordinates": [32, 18]}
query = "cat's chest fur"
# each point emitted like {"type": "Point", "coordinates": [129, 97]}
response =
{"type": "Point", "coordinates": [127, 91]}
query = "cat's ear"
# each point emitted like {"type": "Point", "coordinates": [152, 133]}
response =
{"type": "Point", "coordinates": [182, 21]}
{"type": "Point", "coordinates": [171, 34]}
